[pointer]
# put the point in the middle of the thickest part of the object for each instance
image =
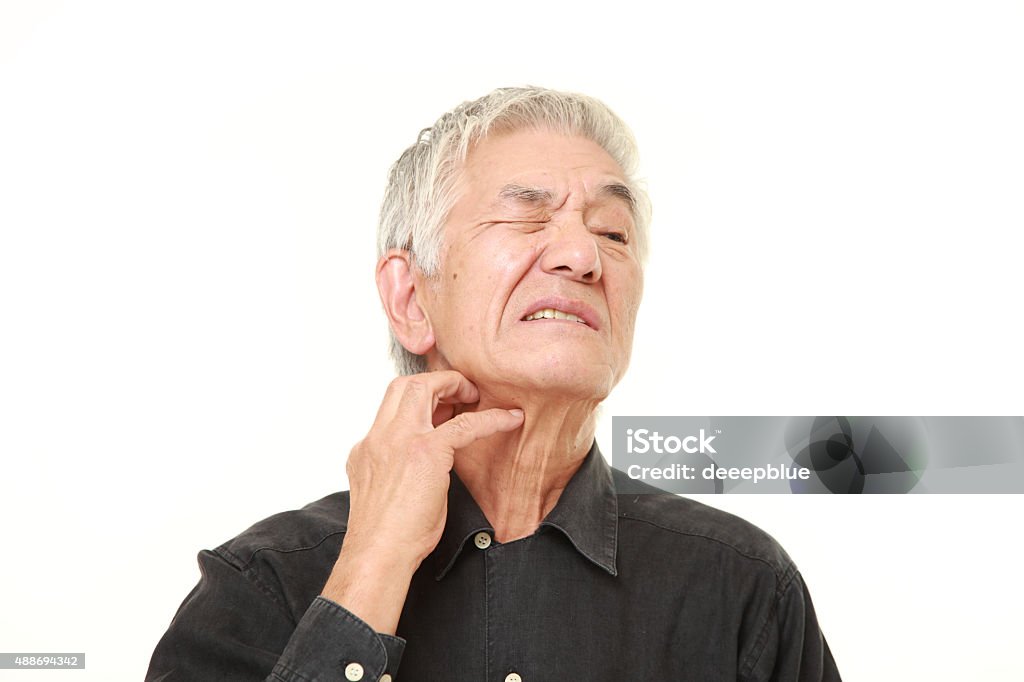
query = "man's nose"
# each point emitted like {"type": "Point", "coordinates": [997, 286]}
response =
{"type": "Point", "coordinates": [572, 252]}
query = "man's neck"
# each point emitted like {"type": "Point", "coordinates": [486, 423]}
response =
{"type": "Point", "coordinates": [517, 478]}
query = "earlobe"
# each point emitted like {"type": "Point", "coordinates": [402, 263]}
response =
{"type": "Point", "coordinates": [397, 286]}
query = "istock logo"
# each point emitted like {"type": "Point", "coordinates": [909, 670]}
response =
{"type": "Point", "coordinates": [642, 441]}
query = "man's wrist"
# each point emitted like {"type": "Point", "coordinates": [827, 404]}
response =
{"type": "Point", "coordinates": [371, 583]}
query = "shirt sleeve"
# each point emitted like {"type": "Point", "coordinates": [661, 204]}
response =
{"type": "Point", "coordinates": [232, 626]}
{"type": "Point", "coordinates": [791, 646]}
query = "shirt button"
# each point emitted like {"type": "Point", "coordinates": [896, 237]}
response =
{"type": "Point", "coordinates": [385, 678]}
{"type": "Point", "coordinates": [513, 677]}
{"type": "Point", "coordinates": [483, 541]}
{"type": "Point", "coordinates": [354, 672]}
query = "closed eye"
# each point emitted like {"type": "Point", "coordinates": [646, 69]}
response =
{"type": "Point", "coordinates": [526, 226]}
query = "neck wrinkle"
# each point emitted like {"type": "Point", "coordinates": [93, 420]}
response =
{"type": "Point", "coordinates": [517, 478]}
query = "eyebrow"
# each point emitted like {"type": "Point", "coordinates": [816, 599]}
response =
{"type": "Point", "coordinates": [617, 189]}
{"type": "Point", "coordinates": [527, 195]}
{"type": "Point", "coordinates": [539, 195]}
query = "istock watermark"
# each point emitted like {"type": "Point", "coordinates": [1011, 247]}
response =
{"type": "Point", "coordinates": [846, 454]}
{"type": "Point", "coordinates": [677, 454]}
{"type": "Point", "coordinates": [642, 441]}
{"type": "Point", "coordinates": [685, 472]}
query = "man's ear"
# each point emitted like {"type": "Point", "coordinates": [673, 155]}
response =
{"type": "Point", "coordinates": [397, 288]}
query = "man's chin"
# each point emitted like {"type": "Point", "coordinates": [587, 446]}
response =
{"type": "Point", "coordinates": [564, 383]}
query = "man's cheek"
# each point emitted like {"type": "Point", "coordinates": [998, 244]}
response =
{"type": "Point", "coordinates": [514, 253]}
{"type": "Point", "coordinates": [466, 338]}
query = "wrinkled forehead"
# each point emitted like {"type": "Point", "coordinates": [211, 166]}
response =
{"type": "Point", "coordinates": [540, 168]}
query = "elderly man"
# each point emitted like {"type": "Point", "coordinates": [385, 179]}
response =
{"type": "Point", "coordinates": [484, 536]}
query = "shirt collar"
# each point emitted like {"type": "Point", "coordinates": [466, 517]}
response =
{"type": "Point", "coordinates": [586, 512]}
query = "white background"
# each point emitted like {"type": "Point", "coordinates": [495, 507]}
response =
{"type": "Point", "coordinates": [192, 341]}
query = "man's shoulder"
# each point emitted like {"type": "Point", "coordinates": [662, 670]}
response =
{"type": "Point", "coordinates": [288, 532]}
{"type": "Point", "coordinates": [694, 522]}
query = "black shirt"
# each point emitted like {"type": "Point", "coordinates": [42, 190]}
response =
{"type": "Point", "coordinates": [621, 581]}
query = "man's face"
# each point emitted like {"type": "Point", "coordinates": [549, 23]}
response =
{"type": "Point", "coordinates": [543, 222]}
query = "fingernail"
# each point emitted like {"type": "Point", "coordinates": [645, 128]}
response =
{"type": "Point", "coordinates": [516, 412]}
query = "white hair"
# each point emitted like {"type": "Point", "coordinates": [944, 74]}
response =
{"type": "Point", "coordinates": [421, 185]}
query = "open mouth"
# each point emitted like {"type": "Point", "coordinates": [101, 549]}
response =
{"type": "Point", "coordinates": [554, 314]}
{"type": "Point", "coordinates": [561, 308]}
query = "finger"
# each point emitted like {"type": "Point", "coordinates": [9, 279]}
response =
{"type": "Point", "coordinates": [423, 392]}
{"type": "Point", "coordinates": [469, 427]}
{"type": "Point", "coordinates": [405, 393]}
{"type": "Point", "coordinates": [453, 387]}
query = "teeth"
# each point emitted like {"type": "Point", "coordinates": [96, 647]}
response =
{"type": "Point", "coordinates": [552, 314]}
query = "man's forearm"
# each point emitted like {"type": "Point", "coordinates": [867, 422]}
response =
{"type": "Point", "coordinates": [372, 583]}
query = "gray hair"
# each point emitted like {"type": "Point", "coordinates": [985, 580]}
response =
{"type": "Point", "coordinates": [421, 186]}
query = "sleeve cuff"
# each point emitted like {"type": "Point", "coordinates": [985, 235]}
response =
{"type": "Point", "coordinates": [330, 642]}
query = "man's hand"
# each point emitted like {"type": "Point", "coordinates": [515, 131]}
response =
{"type": "Point", "coordinates": [398, 479]}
